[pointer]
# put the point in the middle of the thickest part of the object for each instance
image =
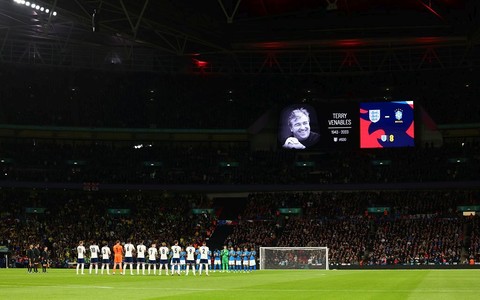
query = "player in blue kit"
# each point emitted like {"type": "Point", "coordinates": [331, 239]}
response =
{"type": "Point", "coordinates": [209, 258]}
{"type": "Point", "coordinates": [238, 260]}
{"type": "Point", "coordinates": [253, 261]}
{"type": "Point", "coordinates": [217, 263]}
{"type": "Point", "coordinates": [246, 259]}
{"type": "Point", "coordinates": [197, 253]}
{"type": "Point", "coordinates": [183, 261]}
{"type": "Point", "coordinates": [231, 260]}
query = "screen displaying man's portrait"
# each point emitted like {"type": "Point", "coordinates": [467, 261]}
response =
{"type": "Point", "coordinates": [298, 125]}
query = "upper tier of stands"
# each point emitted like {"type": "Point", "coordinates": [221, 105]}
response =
{"type": "Point", "coordinates": [230, 163]}
{"type": "Point", "coordinates": [87, 98]}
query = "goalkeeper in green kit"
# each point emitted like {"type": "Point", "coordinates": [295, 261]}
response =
{"type": "Point", "coordinates": [224, 256]}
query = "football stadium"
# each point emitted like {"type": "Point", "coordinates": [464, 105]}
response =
{"type": "Point", "coordinates": [229, 149]}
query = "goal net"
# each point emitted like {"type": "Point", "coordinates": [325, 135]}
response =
{"type": "Point", "coordinates": [293, 258]}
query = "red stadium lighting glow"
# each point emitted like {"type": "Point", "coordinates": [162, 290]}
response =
{"type": "Point", "coordinates": [429, 40]}
{"type": "Point", "coordinates": [273, 45]}
{"type": "Point", "coordinates": [200, 63]}
{"type": "Point", "coordinates": [350, 43]}
{"type": "Point", "coordinates": [433, 11]}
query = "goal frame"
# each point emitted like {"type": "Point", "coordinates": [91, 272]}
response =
{"type": "Point", "coordinates": [262, 254]}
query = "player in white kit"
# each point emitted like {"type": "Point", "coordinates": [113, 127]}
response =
{"type": "Point", "coordinates": [152, 258]}
{"type": "Point", "coordinates": [106, 257]}
{"type": "Point", "coordinates": [81, 256]}
{"type": "Point", "coordinates": [141, 249]}
{"type": "Point", "coordinates": [204, 251]}
{"type": "Point", "coordinates": [175, 250]}
{"type": "Point", "coordinates": [94, 251]}
{"type": "Point", "coordinates": [190, 261]}
{"type": "Point", "coordinates": [129, 249]}
{"type": "Point", "coordinates": [163, 251]}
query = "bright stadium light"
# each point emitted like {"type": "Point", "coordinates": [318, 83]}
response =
{"type": "Point", "coordinates": [35, 6]}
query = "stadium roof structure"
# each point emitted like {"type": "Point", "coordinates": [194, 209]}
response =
{"type": "Point", "coordinates": [327, 37]}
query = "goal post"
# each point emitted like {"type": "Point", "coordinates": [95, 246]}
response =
{"type": "Point", "coordinates": [288, 258]}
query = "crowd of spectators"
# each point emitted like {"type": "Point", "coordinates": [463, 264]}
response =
{"type": "Point", "coordinates": [190, 163]}
{"type": "Point", "coordinates": [418, 240]}
{"type": "Point", "coordinates": [419, 227]}
{"type": "Point", "coordinates": [474, 247]}
{"type": "Point", "coordinates": [253, 234]}
{"type": "Point", "coordinates": [87, 98]}
{"type": "Point", "coordinates": [73, 216]}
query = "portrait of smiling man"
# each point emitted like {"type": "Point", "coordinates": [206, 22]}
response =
{"type": "Point", "coordinates": [299, 130]}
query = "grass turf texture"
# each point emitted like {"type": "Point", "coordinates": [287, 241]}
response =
{"type": "Point", "coordinates": [292, 285]}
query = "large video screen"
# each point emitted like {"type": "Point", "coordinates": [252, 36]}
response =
{"type": "Point", "coordinates": [334, 125]}
{"type": "Point", "coordinates": [387, 124]}
{"type": "Point", "coordinates": [342, 125]}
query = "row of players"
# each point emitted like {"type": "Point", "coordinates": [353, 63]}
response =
{"type": "Point", "coordinates": [178, 258]}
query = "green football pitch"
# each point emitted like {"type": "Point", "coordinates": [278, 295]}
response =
{"type": "Point", "coordinates": [292, 285]}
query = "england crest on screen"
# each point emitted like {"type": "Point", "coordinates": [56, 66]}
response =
{"type": "Point", "coordinates": [374, 115]}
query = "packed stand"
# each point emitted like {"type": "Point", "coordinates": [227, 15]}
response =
{"type": "Point", "coordinates": [199, 163]}
{"type": "Point", "coordinates": [419, 228]}
{"type": "Point", "coordinates": [418, 241]}
{"type": "Point", "coordinates": [71, 216]}
{"type": "Point", "coordinates": [474, 238]}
